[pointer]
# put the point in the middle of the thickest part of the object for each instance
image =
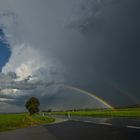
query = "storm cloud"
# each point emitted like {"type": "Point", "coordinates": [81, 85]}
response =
{"type": "Point", "coordinates": [90, 44]}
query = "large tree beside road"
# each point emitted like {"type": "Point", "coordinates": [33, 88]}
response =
{"type": "Point", "coordinates": [32, 105]}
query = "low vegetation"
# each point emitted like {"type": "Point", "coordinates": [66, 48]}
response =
{"type": "Point", "coordinates": [14, 121]}
{"type": "Point", "coordinates": [128, 112]}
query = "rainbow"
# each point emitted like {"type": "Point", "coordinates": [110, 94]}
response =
{"type": "Point", "coordinates": [120, 90]}
{"type": "Point", "coordinates": [106, 104]}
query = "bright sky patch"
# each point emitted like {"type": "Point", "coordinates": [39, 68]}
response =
{"type": "Point", "coordinates": [5, 51]}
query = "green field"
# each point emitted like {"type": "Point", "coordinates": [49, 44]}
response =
{"type": "Point", "coordinates": [129, 112]}
{"type": "Point", "coordinates": [14, 121]}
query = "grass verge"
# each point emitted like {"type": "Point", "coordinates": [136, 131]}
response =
{"type": "Point", "coordinates": [15, 121]}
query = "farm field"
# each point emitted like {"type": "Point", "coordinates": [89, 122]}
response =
{"type": "Point", "coordinates": [128, 112]}
{"type": "Point", "coordinates": [14, 121]}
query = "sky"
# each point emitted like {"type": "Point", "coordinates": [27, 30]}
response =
{"type": "Point", "coordinates": [4, 50]}
{"type": "Point", "coordinates": [92, 45]}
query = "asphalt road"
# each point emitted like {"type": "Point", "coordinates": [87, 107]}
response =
{"type": "Point", "coordinates": [30, 133]}
{"type": "Point", "coordinates": [117, 122]}
{"type": "Point", "coordinates": [73, 130]}
{"type": "Point", "coordinates": [76, 130]}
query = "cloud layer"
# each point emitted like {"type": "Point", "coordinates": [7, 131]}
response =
{"type": "Point", "coordinates": [92, 44]}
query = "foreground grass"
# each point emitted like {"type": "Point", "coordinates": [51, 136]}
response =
{"type": "Point", "coordinates": [129, 112]}
{"type": "Point", "coordinates": [14, 121]}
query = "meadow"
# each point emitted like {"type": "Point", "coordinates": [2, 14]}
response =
{"type": "Point", "coordinates": [15, 121]}
{"type": "Point", "coordinates": [128, 112]}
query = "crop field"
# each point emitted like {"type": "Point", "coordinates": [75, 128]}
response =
{"type": "Point", "coordinates": [14, 121]}
{"type": "Point", "coordinates": [129, 112]}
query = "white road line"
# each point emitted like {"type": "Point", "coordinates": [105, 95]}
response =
{"type": "Point", "coordinates": [88, 121]}
{"type": "Point", "coordinates": [94, 122]}
{"type": "Point", "coordinates": [134, 127]}
{"type": "Point", "coordinates": [106, 123]}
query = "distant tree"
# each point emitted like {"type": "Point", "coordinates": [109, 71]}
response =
{"type": "Point", "coordinates": [32, 105]}
{"type": "Point", "coordinates": [49, 110]}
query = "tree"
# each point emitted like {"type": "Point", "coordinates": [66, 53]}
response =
{"type": "Point", "coordinates": [32, 105]}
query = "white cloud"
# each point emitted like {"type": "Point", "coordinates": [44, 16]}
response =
{"type": "Point", "coordinates": [24, 61]}
{"type": "Point", "coordinates": [5, 99]}
{"type": "Point", "coordinates": [27, 69]}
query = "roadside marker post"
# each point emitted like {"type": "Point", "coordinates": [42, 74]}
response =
{"type": "Point", "coordinates": [68, 115]}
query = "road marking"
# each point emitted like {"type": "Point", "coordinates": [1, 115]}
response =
{"type": "Point", "coordinates": [88, 121]}
{"type": "Point", "coordinates": [91, 122]}
{"type": "Point", "coordinates": [106, 123]}
{"type": "Point", "coordinates": [134, 127]}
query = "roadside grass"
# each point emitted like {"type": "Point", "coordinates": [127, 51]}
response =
{"type": "Point", "coordinates": [128, 112]}
{"type": "Point", "coordinates": [15, 121]}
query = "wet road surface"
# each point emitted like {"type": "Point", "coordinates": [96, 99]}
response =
{"type": "Point", "coordinates": [117, 122]}
{"type": "Point", "coordinates": [76, 130]}
{"type": "Point", "coordinates": [73, 130]}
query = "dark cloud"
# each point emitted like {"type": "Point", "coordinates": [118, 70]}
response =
{"type": "Point", "coordinates": [111, 49]}
{"type": "Point", "coordinates": [96, 43]}
{"type": "Point", "coordinates": [88, 15]}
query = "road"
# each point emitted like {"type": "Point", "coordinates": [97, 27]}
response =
{"type": "Point", "coordinates": [73, 130]}
{"type": "Point", "coordinates": [117, 122]}
{"type": "Point", "coordinates": [76, 130]}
